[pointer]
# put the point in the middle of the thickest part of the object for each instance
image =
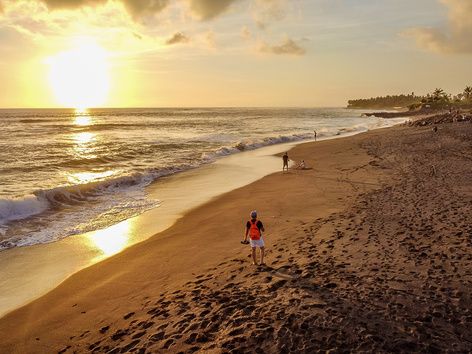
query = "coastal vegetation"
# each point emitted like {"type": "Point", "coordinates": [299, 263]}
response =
{"type": "Point", "coordinates": [437, 99]}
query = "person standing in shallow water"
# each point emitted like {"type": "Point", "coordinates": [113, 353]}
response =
{"type": "Point", "coordinates": [285, 158]}
{"type": "Point", "coordinates": [255, 228]}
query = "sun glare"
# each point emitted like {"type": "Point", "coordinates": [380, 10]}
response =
{"type": "Point", "coordinates": [112, 239]}
{"type": "Point", "coordinates": [82, 120]}
{"type": "Point", "coordinates": [79, 77]}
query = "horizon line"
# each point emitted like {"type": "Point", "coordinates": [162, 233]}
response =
{"type": "Point", "coordinates": [165, 107]}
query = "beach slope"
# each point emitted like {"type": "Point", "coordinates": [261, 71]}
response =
{"type": "Point", "coordinates": [367, 249]}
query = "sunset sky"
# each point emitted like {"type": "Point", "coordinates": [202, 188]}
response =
{"type": "Point", "coordinates": [164, 53]}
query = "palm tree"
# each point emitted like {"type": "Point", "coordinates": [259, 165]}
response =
{"type": "Point", "coordinates": [467, 93]}
{"type": "Point", "coordinates": [438, 94]}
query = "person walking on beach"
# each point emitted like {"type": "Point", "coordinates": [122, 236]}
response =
{"type": "Point", "coordinates": [254, 229]}
{"type": "Point", "coordinates": [314, 131]}
{"type": "Point", "coordinates": [285, 158]}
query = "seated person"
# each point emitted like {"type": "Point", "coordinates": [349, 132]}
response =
{"type": "Point", "coordinates": [301, 165]}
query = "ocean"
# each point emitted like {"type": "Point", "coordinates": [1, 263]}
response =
{"type": "Point", "coordinates": [67, 172]}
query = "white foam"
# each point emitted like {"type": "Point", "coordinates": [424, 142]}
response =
{"type": "Point", "coordinates": [22, 208]}
{"type": "Point", "coordinates": [98, 216]}
{"type": "Point", "coordinates": [251, 144]}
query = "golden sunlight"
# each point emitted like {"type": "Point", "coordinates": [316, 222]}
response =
{"type": "Point", "coordinates": [79, 78]}
{"type": "Point", "coordinates": [87, 177]}
{"type": "Point", "coordinates": [83, 146]}
{"type": "Point", "coordinates": [83, 138]}
{"type": "Point", "coordinates": [82, 120]}
{"type": "Point", "coordinates": [112, 239]}
{"type": "Point", "coordinates": [82, 117]}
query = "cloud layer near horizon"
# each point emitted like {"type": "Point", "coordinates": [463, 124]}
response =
{"type": "Point", "coordinates": [202, 9]}
{"type": "Point", "coordinates": [458, 36]}
{"type": "Point", "coordinates": [134, 7]}
{"type": "Point", "coordinates": [266, 11]}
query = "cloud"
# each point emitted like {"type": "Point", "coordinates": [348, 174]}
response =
{"type": "Point", "coordinates": [135, 8]}
{"type": "Point", "coordinates": [137, 35]}
{"type": "Point", "coordinates": [145, 7]}
{"type": "Point", "coordinates": [71, 4]}
{"type": "Point", "coordinates": [204, 10]}
{"type": "Point", "coordinates": [457, 38]}
{"type": "Point", "coordinates": [210, 39]}
{"type": "Point", "coordinates": [428, 38]}
{"type": "Point", "coordinates": [35, 19]}
{"type": "Point", "coordinates": [201, 9]}
{"type": "Point", "coordinates": [246, 33]}
{"type": "Point", "coordinates": [288, 47]}
{"type": "Point", "coordinates": [209, 9]}
{"type": "Point", "coordinates": [268, 11]}
{"type": "Point", "coordinates": [178, 37]}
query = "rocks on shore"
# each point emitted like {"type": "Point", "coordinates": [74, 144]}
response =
{"type": "Point", "coordinates": [426, 116]}
{"type": "Point", "coordinates": [450, 117]}
{"type": "Point", "coordinates": [400, 114]}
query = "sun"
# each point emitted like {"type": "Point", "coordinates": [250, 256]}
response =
{"type": "Point", "coordinates": [79, 78]}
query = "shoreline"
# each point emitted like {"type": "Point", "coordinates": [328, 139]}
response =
{"type": "Point", "coordinates": [114, 304]}
{"type": "Point", "coordinates": [42, 267]}
{"type": "Point", "coordinates": [163, 239]}
{"type": "Point", "coordinates": [366, 250]}
{"type": "Point", "coordinates": [31, 272]}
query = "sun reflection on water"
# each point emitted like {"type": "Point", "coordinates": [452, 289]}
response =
{"type": "Point", "coordinates": [113, 239]}
{"type": "Point", "coordinates": [83, 138]}
{"type": "Point", "coordinates": [83, 145]}
{"type": "Point", "coordinates": [86, 177]}
{"type": "Point", "coordinates": [85, 169]}
{"type": "Point", "coordinates": [84, 151]}
{"type": "Point", "coordinates": [82, 117]}
{"type": "Point", "coordinates": [82, 120]}
{"type": "Point", "coordinates": [81, 111]}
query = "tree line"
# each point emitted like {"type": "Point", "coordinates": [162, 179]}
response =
{"type": "Point", "coordinates": [436, 99]}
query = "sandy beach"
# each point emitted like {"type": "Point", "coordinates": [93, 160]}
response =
{"type": "Point", "coordinates": [367, 250]}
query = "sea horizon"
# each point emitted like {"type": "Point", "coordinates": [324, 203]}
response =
{"type": "Point", "coordinates": [183, 107]}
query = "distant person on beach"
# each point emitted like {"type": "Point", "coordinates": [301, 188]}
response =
{"type": "Point", "coordinates": [285, 158]}
{"type": "Point", "coordinates": [314, 131]}
{"type": "Point", "coordinates": [301, 165]}
{"type": "Point", "coordinates": [254, 229]}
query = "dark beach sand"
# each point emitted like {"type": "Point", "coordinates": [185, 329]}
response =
{"type": "Point", "coordinates": [370, 250]}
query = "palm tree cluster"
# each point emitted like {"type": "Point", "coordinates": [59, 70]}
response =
{"type": "Point", "coordinates": [389, 101]}
{"type": "Point", "coordinates": [436, 99]}
{"type": "Point", "coordinates": [439, 96]}
{"type": "Point", "coordinates": [466, 95]}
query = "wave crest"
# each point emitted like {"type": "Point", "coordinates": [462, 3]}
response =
{"type": "Point", "coordinates": [253, 144]}
{"type": "Point", "coordinates": [21, 208]}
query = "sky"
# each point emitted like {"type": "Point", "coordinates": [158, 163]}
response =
{"type": "Point", "coordinates": [200, 53]}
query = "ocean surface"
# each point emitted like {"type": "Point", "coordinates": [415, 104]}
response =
{"type": "Point", "coordinates": [65, 172]}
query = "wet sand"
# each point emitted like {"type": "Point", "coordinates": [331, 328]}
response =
{"type": "Point", "coordinates": [368, 250]}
